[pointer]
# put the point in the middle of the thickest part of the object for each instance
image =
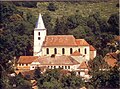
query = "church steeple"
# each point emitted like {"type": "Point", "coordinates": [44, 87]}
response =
{"type": "Point", "coordinates": [40, 24]}
{"type": "Point", "coordinates": [39, 36]}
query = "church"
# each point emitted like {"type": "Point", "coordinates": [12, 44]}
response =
{"type": "Point", "coordinates": [46, 45]}
{"type": "Point", "coordinates": [57, 51]}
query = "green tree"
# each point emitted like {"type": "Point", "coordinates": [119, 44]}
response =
{"type": "Point", "coordinates": [102, 75]}
{"type": "Point", "coordinates": [37, 73]}
{"type": "Point", "coordinates": [51, 7]}
{"type": "Point", "coordinates": [60, 26]}
{"type": "Point", "coordinates": [114, 23]}
{"type": "Point", "coordinates": [48, 24]}
{"type": "Point", "coordinates": [29, 4]}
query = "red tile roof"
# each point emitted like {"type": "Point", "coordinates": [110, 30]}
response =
{"type": "Point", "coordinates": [57, 60]}
{"type": "Point", "coordinates": [92, 48]}
{"type": "Point", "coordinates": [63, 40]}
{"type": "Point", "coordinates": [111, 59]}
{"type": "Point", "coordinates": [76, 53]}
{"type": "Point", "coordinates": [117, 38]}
{"type": "Point", "coordinates": [81, 42]}
{"type": "Point", "coordinates": [59, 40]}
{"type": "Point", "coordinates": [83, 65]}
{"type": "Point", "coordinates": [26, 59]}
{"type": "Point", "coordinates": [111, 62]}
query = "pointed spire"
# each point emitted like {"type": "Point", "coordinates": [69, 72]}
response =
{"type": "Point", "coordinates": [40, 24]}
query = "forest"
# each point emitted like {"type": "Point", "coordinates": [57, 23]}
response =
{"type": "Point", "coordinates": [17, 24]}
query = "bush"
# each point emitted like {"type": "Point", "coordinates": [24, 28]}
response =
{"type": "Point", "coordinates": [117, 5]}
{"type": "Point", "coordinates": [26, 4]}
{"type": "Point", "coordinates": [51, 7]}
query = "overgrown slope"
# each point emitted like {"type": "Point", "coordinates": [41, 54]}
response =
{"type": "Point", "coordinates": [68, 8]}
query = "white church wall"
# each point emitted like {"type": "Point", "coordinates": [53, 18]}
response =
{"type": "Point", "coordinates": [82, 51]}
{"type": "Point", "coordinates": [67, 51]}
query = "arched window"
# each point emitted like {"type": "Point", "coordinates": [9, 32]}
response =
{"type": "Point", "coordinates": [55, 51]}
{"type": "Point", "coordinates": [68, 67]}
{"type": "Point", "coordinates": [63, 51]}
{"type": "Point", "coordinates": [62, 67]}
{"type": "Point", "coordinates": [71, 50]}
{"type": "Point", "coordinates": [65, 67]}
{"type": "Point", "coordinates": [85, 51]}
{"type": "Point", "coordinates": [47, 50]}
{"type": "Point", "coordinates": [79, 50]}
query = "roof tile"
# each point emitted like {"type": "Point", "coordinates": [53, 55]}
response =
{"type": "Point", "coordinates": [92, 48]}
{"type": "Point", "coordinates": [76, 53]}
{"type": "Point", "coordinates": [59, 40]}
{"type": "Point", "coordinates": [57, 60]}
{"type": "Point", "coordinates": [81, 42]}
{"type": "Point", "coordinates": [27, 59]}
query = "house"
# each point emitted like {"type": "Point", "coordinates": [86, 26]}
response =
{"type": "Point", "coordinates": [111, 58]}
{"type": "Point", "coordinates": [24, 62]}
{"type": "Point", "coordinates": [83, 70]}
{"type": "Point", "coordinates": [51, 62]}
{"type": "Point", "coordinates": [46, 45]}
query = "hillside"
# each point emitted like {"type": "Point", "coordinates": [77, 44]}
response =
{"type": "Point", "coordinates": [68, 8]}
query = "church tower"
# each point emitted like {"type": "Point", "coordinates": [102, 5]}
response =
{"type": "Point", "coordinates": [39, 36]}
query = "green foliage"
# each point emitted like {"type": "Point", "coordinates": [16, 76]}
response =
{"type": "Point", "coordinates": [20, 82]}
{"type": "Point", "coordinates": [117, 5]}
{"type": "Point", "coordinates": [61, 27]}
{"type": "Point", "coordinates": [7, 9]}
{"type": "Point", "coordinates": [51, 7]}
{"type": "Point", "coordinates": [102, 79]}
{"type": "Point", "coordinates": [37, 73]}
{"type": "Point", "coordinates": [48, 24]}
{"type": "Point", "coordinates": [53, 79]}
{"type": "Point", "coordinates": [114, 23]}
{"type": "Point", "coordinates": [29, 4]}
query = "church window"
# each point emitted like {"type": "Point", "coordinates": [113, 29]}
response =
{"type": "Point", "coordinates": [85, 51]}
{"type": "Point", "coordinates": [59, 67]}
{"type": "Point", "coordinates": [63, 51]}
{"type": "Point", "coordinates": [38, 38]}
{"type": "Point", "coordinates": [65, 67]}
{"type": "Point", "coordinates": [68, 67]}
{"type": "Point", "coordinates": [79, 50]}
{"type": "Point", "coordinates": [71, 50]}
{"type": "Point", "coordinates": [55, 51]}
{"type": "Point", "coordinates": [38, 33]}
{"type": "Point", "coordinates": [47, 50]}
{"type": "Point", "coordinates": [62, 67]}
